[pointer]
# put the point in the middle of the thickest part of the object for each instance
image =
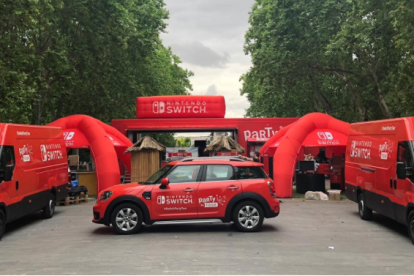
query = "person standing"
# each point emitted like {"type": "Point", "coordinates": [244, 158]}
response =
{"type": "Point", "coordinates": [256, 157]}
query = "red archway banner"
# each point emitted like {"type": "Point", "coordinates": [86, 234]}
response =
{"type": "Point", "coordinates": [290, 140]}
{"type": "Point", "coordinates": [105, 155]}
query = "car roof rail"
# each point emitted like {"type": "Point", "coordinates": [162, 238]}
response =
{"type": "Point", "coordinates": [230, 158]}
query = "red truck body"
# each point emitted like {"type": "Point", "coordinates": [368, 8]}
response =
{"type": "Point", "coordinates": [375, 150]}
{"type": "Point", "coordinates": [33, 169]}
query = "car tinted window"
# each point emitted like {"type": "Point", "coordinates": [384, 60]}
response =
{"type": "Point", "coordinates": [156, 177]}
{"type": "Point", "coordinates": [182, 174]}
{"type": "Point", "coordinates": [219, 173]}
{"type": "Point", "coordinates": [250, 173]}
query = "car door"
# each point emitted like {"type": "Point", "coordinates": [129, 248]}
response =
{"type": "Point", "coordinates": [217, 188]}
{"type": "Point", "coordinates": [178, 200]}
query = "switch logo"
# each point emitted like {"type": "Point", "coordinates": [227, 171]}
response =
{"type": "Point", "coordinates": [161, 199]}
{"type": "Point", "coordinates": [68, 135]}
{"type": "Point", "coordinates": [325, 135]}
{"type": "Point", "coordinates": [158, 107]}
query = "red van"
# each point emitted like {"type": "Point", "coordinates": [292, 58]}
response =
{"type": "Point", "coordinates": [379, 172]}
{"type": "Point", "coordinates": [33, 171]}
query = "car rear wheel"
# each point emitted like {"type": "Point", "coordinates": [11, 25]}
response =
{"type": "Point", "coordinates": [127, 219]}
{"type": "Point", "coordinates": [248, 216]}
{"type": "Point", "coordinates": [410, 226]}
{"type": "Point", "coordinates": [364, 212]}
{"type": "Point", "coordinates": [2, 223]}
{"type": "Point", "coordinates": [49, 210]}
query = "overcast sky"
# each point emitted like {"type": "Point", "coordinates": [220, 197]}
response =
{"type": "Point", "coordinates": [208, 36]}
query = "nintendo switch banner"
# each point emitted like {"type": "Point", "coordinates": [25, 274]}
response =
{"type": "Point", "coordinates": [181, 107]}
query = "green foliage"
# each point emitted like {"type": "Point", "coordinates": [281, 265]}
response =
{"type": "Point", "coordinates": [352, 59]}
{"type": "Point", "coordinates": [60, 57]}
{"type": "Point", "coordinates": [183, 142]}
{"type": "Point", "coordinates": [167, 139]}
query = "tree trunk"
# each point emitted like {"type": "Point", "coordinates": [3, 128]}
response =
{"type": "Point", "coordinates": [378, 95]}
{"type": "Point", "coordinates": [382, 104]}
{"type": "Point", "coordinates": [355, 96]}
{"type": "Point", "coordinates": [320, 98]}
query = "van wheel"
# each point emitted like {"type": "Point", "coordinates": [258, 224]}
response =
{"type": "Point", "coordinates": [410, 226]}
{"type": "Point", "coordinates": [126, 219]}
{"type": "Point", "coordinates": [49, 210]}
{"type": "Point", "coordinates": [248, 216]}
{"type": "Point", "coordinates": [2, 223]}
{"type": "Point", "coordinates": [364, 212]}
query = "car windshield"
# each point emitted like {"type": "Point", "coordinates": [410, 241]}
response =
{"type": "Point", "coordinates": [157, 175]}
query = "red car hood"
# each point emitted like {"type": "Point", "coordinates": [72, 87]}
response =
{"type": "Point", "coordinates": [131, 188]}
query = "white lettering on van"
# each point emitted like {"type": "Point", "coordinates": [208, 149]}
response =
{"type": "Point", "coordinates": [23, 133]}
{"type": "Point", "coordinates": [388, 128]}
{"type": "Point", "coordinates": [51, 152]}
{"type": "Point", "coordinates": [26, 153]}
{"type": "Point", "coordinates": [361, 149]}
{"type": "Point", "coordinates": [385, 150]}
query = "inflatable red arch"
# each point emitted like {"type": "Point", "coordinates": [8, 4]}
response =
{"type": "Point", "coordinates": [103, 151]}
{"type": "Point", "coordinates": [291, 139]}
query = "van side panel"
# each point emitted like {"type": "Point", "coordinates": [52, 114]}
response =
{"type": "Point", "coordinates": [370, 166]}
{"type": "Point", "coordinates": [40, 168]}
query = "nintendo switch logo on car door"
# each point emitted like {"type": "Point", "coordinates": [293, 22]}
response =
{"type": "Point", "coordinates": [325, 135]}
{"type": "Point", "coordinates": [158, 107]}
{"type": "Point", "coordinates": [161, 199]}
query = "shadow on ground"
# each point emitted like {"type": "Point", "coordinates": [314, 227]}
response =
{"type": "Point", "coordinates": [385, 223]}
{"type": "Point", "coordinates": [27, 221]}
{"type": "Point", "coordinates": [185, 228]}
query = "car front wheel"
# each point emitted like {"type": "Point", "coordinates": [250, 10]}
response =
{"type": "Point", "coordinates": [248, 216]}
{"type": "Point", "coordinates": [127, 219]}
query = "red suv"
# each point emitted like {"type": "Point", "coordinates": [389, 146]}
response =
{"type": "Point", "coordinates": [192, 190]}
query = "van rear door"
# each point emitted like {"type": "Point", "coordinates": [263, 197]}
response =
{"type": "Point", "coordinates": [9, 187]}
{"type": "Point", "coordinates": [400, 186]}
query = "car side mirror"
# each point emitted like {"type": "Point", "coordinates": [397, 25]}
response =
{"type": "Point", "coordinates": [8, 173]}
{"type": "Point", "coordinates": [401, 170]}
{"type": "Point", "coordinates": [165, 182]}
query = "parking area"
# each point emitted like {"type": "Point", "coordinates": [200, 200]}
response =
{"type": "Point", "coordinates": [308, 237]}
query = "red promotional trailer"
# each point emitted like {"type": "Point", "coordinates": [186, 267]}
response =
{"type": "Point", "coordinates": [181, 107]}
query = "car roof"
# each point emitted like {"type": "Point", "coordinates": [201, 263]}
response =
{"type": "Point", "coordinates": [234, 161]}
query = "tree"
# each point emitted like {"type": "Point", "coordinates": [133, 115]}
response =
{"type": "Point", "coordinates": [183, 142]}
{"type": "Point", "coordinates": [349, 59]}
{"type": "Point", "coordinates": [91, 57]}
{"type": "Point", "coordinates": [167, 139]}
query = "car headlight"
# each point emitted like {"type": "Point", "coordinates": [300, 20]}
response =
{"type": "Point", "coordinates": [105, 196]}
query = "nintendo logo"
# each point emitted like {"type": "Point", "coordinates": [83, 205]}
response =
{"type": "Point", "coordinates": [158, 107]}
{"type": "Point", "coordinates": [325, 135]}
{"type": "Point", "coordinates": [43, 153]}
{"type": "Point", "coordinates": [68, 135]}
{"type": "Point", "coordinates": [161, 200]}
